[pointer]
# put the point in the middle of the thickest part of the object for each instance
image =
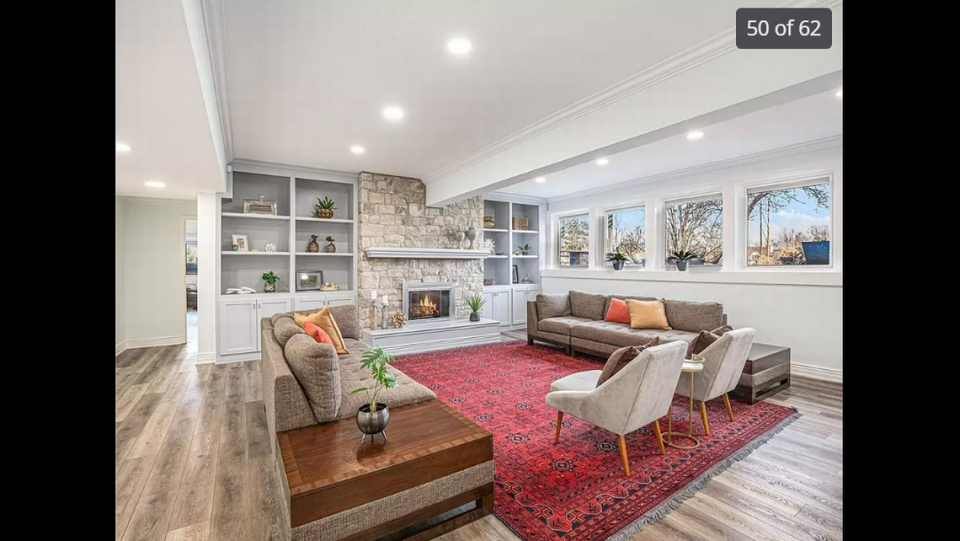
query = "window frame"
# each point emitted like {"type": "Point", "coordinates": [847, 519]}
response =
{"type": "Point", "coordinates": [780, 184]}
{"type": "Point", "coordinates": [556, 222]}
{"type": "Point", "coordinates": [604, 211]}
{"type": "Point", "coordinates": [716, 193]}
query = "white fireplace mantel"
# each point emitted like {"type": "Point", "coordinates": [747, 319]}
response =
{"type": "Point", "coordinates": [425, 253]}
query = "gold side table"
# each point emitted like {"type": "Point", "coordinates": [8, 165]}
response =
{"type": "Point", "coordinates": [689, 367]}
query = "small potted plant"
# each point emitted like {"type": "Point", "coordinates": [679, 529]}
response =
{"type": "Point", "coordinates": [524, 250]}
{"type": "Point", "coordinates": [325, 207]}
{"type": "Point", "coordinates": [330, 248]}
{"type": "Point", "coordinates": [372, 417]}
{"type": "Point", "coordinates": [618, 258]}
{"type": "Point", "coordinates": [681, 259]}
{"type": "Point", "coordinates": [475, 303]}
{"type": "Point", "coordinates": [269, 282]}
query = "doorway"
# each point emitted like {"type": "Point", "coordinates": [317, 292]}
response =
{"type": "Point", "coordinates": [190, 258]}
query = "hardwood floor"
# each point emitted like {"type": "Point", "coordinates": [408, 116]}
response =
{"type": "Point", "coordinates": [193, 463]}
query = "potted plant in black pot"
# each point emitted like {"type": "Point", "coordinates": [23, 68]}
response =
{"type": "Point", "coordinates": [475, 303]}
{"type": "Point", "coordinates": [681, 257]}
{"type": "Point", "coordinates": [618, 258]}
{"type": "Point", "coordinates": [372, 417]}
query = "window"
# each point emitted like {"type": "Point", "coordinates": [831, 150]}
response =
{"type": "Point", "coordinates": [695, 225]}
{"type": "Point", "coordinates": [789, 224]}
{"type": "Point", "coordinates": [626, 230]}
{"type": "Point", "coordinates": [575, 241]}
{"type": "Point", "coordinates": [191, 258]}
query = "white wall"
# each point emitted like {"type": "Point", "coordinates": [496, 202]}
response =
{"type": "Point", "coordinates": [154, 296]}
{"type": "Point", "coordinates": [118, 275]}
{"type": "Point", "coordinates": [795, 307]}
{"type": "Point", "coordinates": [208, 275]}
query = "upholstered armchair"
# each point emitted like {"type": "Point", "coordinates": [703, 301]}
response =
{"type": "Point", "coordinates": [637, 395]}
{"type": "Point", "coordinates": [722, 365]}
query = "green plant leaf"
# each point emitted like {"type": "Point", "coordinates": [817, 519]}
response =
{"type": "Point", "coordinates": [359, 390]}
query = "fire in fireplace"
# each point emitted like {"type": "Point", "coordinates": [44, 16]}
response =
{"type": "Point", "coordinates": [424, 301]}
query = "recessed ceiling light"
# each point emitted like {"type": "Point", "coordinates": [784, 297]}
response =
{"type": "Point", "coordinates": [392, 113]}
{"type": "Point", "coordinates": [357, 149]}
{"type": "Point", "coordinates": [459, 46]}
{"type": "Point", "coordinates": [155, 184]}
{"type": "Point", "coordinates": [122, 147]}
{"type": "Point", "coordinates": [840, 93]}
{"type": "Point", "coordinates": [694, 135]}
{"type": "Point", "coordinates": [603, 161]}
{"type": "Point", "coordinates": [540, 180]}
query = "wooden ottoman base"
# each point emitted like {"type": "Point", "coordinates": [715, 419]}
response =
{"type": "Point", "coordinates": [766, 373]}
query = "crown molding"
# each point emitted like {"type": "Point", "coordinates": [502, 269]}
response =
{"type": "Point", "coordinates": [766, 155]}
{"type": "Point", "coordinates": [215, 21]}
{"type": "Point", "coordinates": [515, 198]}
{"type": "Point", "coordinates": [271, 168]}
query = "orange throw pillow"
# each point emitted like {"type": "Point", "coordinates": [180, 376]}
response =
{"type": "Point", "coordinates": [324, 320]}
{"type": "Point", "coordinates": [618, 312]}
{"type": "Point", "coordinates": [648, 315]}
{"type": "Point", "coordinates": [317, 333]}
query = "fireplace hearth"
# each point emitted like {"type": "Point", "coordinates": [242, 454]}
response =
{"type": "Point", "coordinates": [423, 302]}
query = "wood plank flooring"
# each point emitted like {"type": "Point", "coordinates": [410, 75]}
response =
{"type": "Point", "coordinates": [193, 463]}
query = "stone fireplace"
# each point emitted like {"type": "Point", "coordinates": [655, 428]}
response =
{"type": "Point", "coordinates": [429, 301]}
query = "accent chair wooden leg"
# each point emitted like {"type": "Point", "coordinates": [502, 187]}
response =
{"type": "Point", "coordinates": [659, 436]}
{"type": "Point", "coordinates": [703, 416]}
{"type": "Point", "coordinates": [623, 453]}
{"type": "Point", "coordinates": [726, 402]}
{"type": "Point", "coordinates": [559, 424]}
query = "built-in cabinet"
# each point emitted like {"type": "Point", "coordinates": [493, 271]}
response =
{"type": "Point", "coordinates": [240, 321]}
{"type": "Point", "coordinates": [508, 305]}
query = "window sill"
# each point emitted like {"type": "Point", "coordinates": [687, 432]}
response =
{"type": "Point", "coordinates": [822, 278]}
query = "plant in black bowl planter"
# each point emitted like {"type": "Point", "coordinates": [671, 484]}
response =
{"type": "Point", "coordinates": [618, 258]}
{"type": "Point", "coordinates": [372, 418]}
{"type": "Point", "coordinates": [681, 257]}
{"type": "Point", "coordinates": [524, 250]}
{"type": "Point", "coordinates": [475, 303]}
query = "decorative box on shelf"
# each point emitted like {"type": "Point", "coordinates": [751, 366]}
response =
{"type": "Point", "coordinates": [521, 223]}
{"type": "Point", "coordinates": [330, 287]}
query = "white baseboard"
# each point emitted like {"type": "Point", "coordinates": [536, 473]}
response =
{"type": "Point", "coordinates": [121, 347]}
{"type": "Point", "coordinates": [156, 341]}
{"type": "Point", "coordinates": [238, 358]}
{"type": "Point", "coordinates": [208, 357]}
{"type": "Point", "coordinates": [816, 372]}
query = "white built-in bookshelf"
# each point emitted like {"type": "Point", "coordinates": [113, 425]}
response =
{"type": "Point", "coordinates": [509, 239]}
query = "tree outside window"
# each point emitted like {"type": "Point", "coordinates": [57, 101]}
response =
{"type": "Point", "coordinates": [626, 231]}
{"type": "Point", "coordinates": [789, 225]}
{"type": "Point", "coordinates": [575, 241]}
{"type": "Point", "coordinates": [695, 226]}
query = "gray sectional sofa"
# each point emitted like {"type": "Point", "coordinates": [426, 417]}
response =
{"type": "Point", "coordinates": [575, 321]}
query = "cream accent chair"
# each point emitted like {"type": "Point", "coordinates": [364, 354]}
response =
{"type": "Point", "coordinates": [723, 363]}
{"type": "Point", "coordinates": [635, 396]}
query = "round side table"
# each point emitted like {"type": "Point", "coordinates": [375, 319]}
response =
{"type": "Point", "coordinates": [689, 367]}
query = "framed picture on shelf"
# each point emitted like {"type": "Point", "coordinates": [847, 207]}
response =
{"type": "Point", "coordinates": [309, 280]}
{"type": "Point", "coordinates": [516, 275]}
{"type": "Point", "coordinates": [241, 243]}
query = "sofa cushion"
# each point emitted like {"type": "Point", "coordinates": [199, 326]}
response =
{"type": "Point", "coordinates": [317, 333]}
{"type": "Point", "coordinates": [284, 328]}
{"type": "Point", "coordinates": [352, 376]}
{"type": "Point", "coordinates": [694, 316]}
{"type": "Point", "coordinates": [317, 369]}
{"type": "Point", "coordinates": [648, 315]}
{"type": "Point", "coordinates": [556, 305]}
{"type": "Point", "coordinates": [348, 320]}
{"type": "Point", "coordinates": [619, 359]}
{"type": "Point", "coordinates": [625, 298]}
{"type": "Point", "coordinates": [324, 320]}
{"type": "Point", "coordinates": [618, 312]}
{"type": "Point", "coordinates": [588, 305]}
{"type": "Point", "coordinates": [561, 325]}
{"type": "Point", "coordinates": [620, 335]}
{"type": "Point", "coordinates": [705, 338]}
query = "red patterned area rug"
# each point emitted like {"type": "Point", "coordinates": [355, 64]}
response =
{"type": "Point", "coordinates": [577, 490]}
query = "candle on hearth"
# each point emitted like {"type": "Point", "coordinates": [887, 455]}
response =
{"type": "Point", "coordinates": [384, 300]}
{"type": "Point", "coordinates": [373, 295]}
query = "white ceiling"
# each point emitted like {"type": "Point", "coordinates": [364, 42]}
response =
{"type": "Point", "coordinates": [308, 79]}
{"type": "Point", "coordinates": [808, 119]}
{"type": "Point", "coordinates": [159, 104]}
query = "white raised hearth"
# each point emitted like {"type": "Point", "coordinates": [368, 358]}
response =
{"type": "Point", "coordinates": [434, 336]}
{"type": "Point", "coordinates": [425, 253]}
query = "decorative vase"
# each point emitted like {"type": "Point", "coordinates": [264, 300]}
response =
{"type": "Point", "coordinates": [459, 236]}
{"type": "Point", "coordinates": [269, 288]}
{"type": "Point", "coordinates": [330, 248]}
{"type": "Point", "coordinates": [474, 316]}
{"type": "Point", "coordinates": [681, 266]}
{"type": "Point", "coordinates": [313, 246]}
{"type": "Point", "coordinates": [489, 222]}
{"type": "Point", "coordinates": [234, 247]}
{"type": "Point", "coordinates": [373, 423]}
{"type": "Point", "coordinates": [325, 213]}
{"type": "Point", "coordinates": [618, 265]}
{"type": "Point", "coordinates": [471, 236]}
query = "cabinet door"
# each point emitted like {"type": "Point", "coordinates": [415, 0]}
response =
{"type": "Point", "coordinates": [489, 307]}
{"type": "Point", "coordinates": [239, 329]}
{"type": "Point", "coordinates": [501, 303]}
{"type": "Point", "coordinates": [305, 305]}
{"type": "Point", "coordinates": [273, 306]}
{"type": "Point", "coordinates": [339, 299]}
{"type": "Point", "coordinates": [519, 297]}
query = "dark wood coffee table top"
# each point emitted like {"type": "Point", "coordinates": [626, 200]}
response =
{"type": "Point", "coordinates": [764, 356]}
{"type": "Point", "coordinates": [328, 469]}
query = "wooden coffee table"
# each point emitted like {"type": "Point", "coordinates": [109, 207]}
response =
{"type": "Point", "coordinates": [329, 471]}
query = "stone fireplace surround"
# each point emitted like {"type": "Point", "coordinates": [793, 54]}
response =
{"type": "Point", "coordinates": [392, 213]}
{"type": "Point", "coordinates": [435, 292]}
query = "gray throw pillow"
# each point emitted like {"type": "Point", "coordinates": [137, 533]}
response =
{"type": "Point", "coordinates": [588, 305]}
{"type": "Point", "coordinates": [705, 339]}
{"type": "Point", "coordinates": [316, 368]}
{"type": "Point", "coordinates": [621, 358]}
{"type": "Point", "coordinates": [348, 321]}
{"type": "Point", "coordinates": [284, 328]}
{"type": "Point", "coordinates": [556, 305]}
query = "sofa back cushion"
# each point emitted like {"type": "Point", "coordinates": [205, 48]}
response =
{"type": "Point", "coordinates": [348, 320]}
{"type": "Point", "coordinates": [316, 367]}
{"type": "Point", "coordinates": [588, 305]}
{"type": "Point", "coordinates": [694, 316]}
{"type": "Point", "coordinates": [556, 305]}
{"type": "Point", "coordinates": [284, 328]}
